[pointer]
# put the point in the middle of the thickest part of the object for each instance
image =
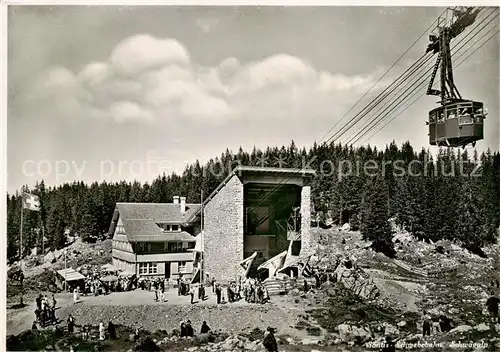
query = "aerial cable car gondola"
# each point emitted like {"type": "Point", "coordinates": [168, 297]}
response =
{"type": "Point", "coordinates": [457, 122]}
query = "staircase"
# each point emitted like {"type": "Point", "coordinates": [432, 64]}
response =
{"type": "Point", "coordinates": [252, 272]}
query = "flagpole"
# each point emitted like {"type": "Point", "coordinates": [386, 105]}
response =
{"type": "Point", "coordinates": [21, 246]}
{"type": "Point", "coordinates": [43, 240]}
{"type": "Point", "coordinates": [202, 277]}
{"type": "Point", "coordinates": [21, 232]}
{"type": "Point", "coordinates": [65, 272]}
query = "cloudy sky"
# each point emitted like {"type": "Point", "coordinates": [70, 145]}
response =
{"type": "Point", "coordinates": [129, 92]}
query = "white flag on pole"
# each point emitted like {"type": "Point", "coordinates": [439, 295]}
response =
{"type": "Point", "coordinates": [31, 202]}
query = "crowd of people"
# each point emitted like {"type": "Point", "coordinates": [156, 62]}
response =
{"type": "Point", "coordinates": [45, 311]}
{"type": "Point", "coordinates": [102, 282]}
{"type": "Point", "coordinates": [252, 290]}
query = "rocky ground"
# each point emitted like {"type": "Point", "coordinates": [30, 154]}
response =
{"type": "Point", "coordinates": [354, 310]}
{"type": "Point", "coordinates": [40, 271]}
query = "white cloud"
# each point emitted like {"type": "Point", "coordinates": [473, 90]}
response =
{"type": "Point", "coordinates": [143, 52]}
{"type": "Point", "coordinates": [151, 79]}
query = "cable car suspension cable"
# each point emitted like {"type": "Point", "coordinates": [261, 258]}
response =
{"type": "Point", "coordinates": [496, 31]}
{"type": "Point", "coordinates": [429, 70]}
{"type": "Point", "coordinates": [364, 95]}
{"type": "Point", "coordinates": [378, 118]}
{"type": "Point", "coordinates": [386, 72]}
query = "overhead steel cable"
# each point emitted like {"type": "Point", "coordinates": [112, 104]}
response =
{"type": "Point", "coordinates": [377, 100]}
{"type": "Point", "coordinates": [355, 124]}
{"type": "Point", "coordinates": [394, 91]}
{"type": "Point", "coordinates": [326, 142]}
{"type": "Point", "coordinates": [429, 70]}
{"type": "Point", "coordinates": [265, 198]}
{"type": "Point", "coordinates": [381, 77]}
{"type": "Point", "coordinates": [495, 30]}
{"type": "Point", "coordinates": [378, 118]}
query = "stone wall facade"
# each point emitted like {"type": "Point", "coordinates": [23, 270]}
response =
{"type": "Point", "coordinates": [305, 223]}
{"type": "Point", "coordinates": [224, 229]}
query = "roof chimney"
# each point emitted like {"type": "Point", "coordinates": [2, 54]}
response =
{"type": "Point", "coordinates": [183, 205]}
{"type": "Point", "coordinates": [176, 199]}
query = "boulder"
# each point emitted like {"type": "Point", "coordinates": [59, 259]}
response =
{"type": "Point", "coordinates": [482, 327]}
{"type": "Point", "coordinates": [353, 333]}
{"type": "Point", "coordinates": [390, 330]}
{"type": "Point", "coordinates": [357, 281]}
{"type": "Point", "coordinates": [401, 324]}
{"type": "Point", "coordinates": [309, 341]}
{"type": "Point", "coordinates": [461, 329]}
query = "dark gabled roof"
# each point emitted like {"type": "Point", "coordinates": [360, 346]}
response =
{"type": "Point", "coordinates": [142, 221]}
{"type": "Point", "coordinates": [168, 213]}
{"type": "Point", "coordinates": [182, 236]}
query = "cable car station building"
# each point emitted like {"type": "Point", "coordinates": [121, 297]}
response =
{"type": "Point", "coordinates": [249, 212]}
{"type": "Point", "coordinates": [254, 210]}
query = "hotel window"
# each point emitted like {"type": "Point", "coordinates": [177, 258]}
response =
{"type": "Point", "coordinates": [182, 267]}
{"type": "Point", "coordinates": [153, 268]}
{"type": "Point", "coordinates": [174, 247]}
{"type": "Point", "coordinates": [148, 268]}
{"type": "Point", "coordinates": [143, 268]}
{"type": "Point", "coordinates": [175, 228]}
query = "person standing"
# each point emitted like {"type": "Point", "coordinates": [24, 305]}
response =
{"type": "Point", "coordinates": [203, 295]}
{"type": "Point", "coordinates": [191, 292]}
{"type": "Point", "coordinates": [183, 329]}
{"type": "Point", "coordinates": [213, 285]}
{"type": "Point", "coordinates": [218, 292]}
{"type": "Point", "coordinates": [189, 329]}
{"type": "Point", "coordinates": [102, 331]}
{"type": "Point", "coordinates": [53, 310]}
{"type": "Point", "coordinates": [204, 328]}
{"type": "Point", "coordinates": [426, 326]}
{"type": "Point", "coordinates": [492, 305]}
{"type": "Point", "coordinates": [269, 341]}
{"type": "Point", "coordinates": [39, 302]}
{"type": "Point", "coordinates": [111, 330]}
{"type": "Point", "coordinates": [71, 324]}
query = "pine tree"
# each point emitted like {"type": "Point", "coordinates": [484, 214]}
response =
{"type": "Point", "coordinates": [374, 225]}
{"type": "Point", "coordinates": [89, 229]}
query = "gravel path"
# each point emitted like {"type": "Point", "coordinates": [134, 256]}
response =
{"type": "Point", "coordinates": [139, 307]}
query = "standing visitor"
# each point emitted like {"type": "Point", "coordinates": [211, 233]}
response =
{"type": "Point", "coordinates": [492, 305]}
{"type": "Point", "coordinates": [102, 331]}
{"type": "Point", "coordinates": [111, 331]}
{"type": "Point", "coordinates": [204, 328]}
{"type": "Point", "coordinates": [191, 292]}
{"type": "Point", "coordinates": [426, 326]}
{"type": "Point", "coordinates": [218, 292]}
{"type": "Point", "coordinates": [183, 329]}
{"type": "Point", "coordinates": [39, 302]}
{"type": "Point", "coordinates": [71, 324]}
{"type": "Point", "coordinates": [269, 341]}
{"type": "Point", "coordinates": [53, 308]}
{"type": "Point", "coordinates": [85, 332]}
{"type": "Point", "coordinates": [189, 329]}
{"type": "Point", "coordinates": [179, 285]}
